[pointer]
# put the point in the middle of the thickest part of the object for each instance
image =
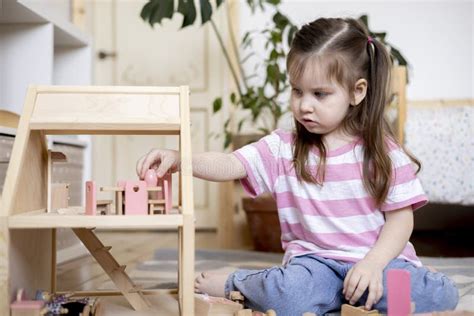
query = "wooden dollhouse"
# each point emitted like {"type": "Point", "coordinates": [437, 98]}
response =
{"type": "Point", "coordinates": [28, 216]}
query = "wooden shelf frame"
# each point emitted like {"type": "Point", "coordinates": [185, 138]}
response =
{"type": "Point", "coordinates": [27, 232]}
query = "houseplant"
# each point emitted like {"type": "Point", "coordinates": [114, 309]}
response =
{"type": "Point", "coordinates": [262, 99]}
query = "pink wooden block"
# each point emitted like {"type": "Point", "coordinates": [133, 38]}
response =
{"type": "Point", "coordinates": [27, 305]}
{"type": "Point", "coordinates": [136, 198]}
{"type": "Point", "coordinates": [160, 195]}
{"type": "Point", "coordinates": [398, 294]}
{"type": "Point", "coordinates": [167, 193]}
{"type": "Point", "coordinates": [91, 199]}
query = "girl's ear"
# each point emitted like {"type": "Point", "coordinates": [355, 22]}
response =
{"type": "Point", "coordinates": [360, 91]}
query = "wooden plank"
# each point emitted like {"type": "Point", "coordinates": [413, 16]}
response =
{"type": "Point", "coordinates": [108, 89]}
{"type": "Point", "coordinates": [54, 220]}
{"type": "Point", "coordinates": [186, 185]}
{"type": "Point", "coordinates": [29, 265]}
{"type": "Point", "coordinates": [115, 293]}
{"type": "Point", "coordinates": [106, 109]}
{"type": "Point", "coordinates": [92, 128]}
{"type": "Point", "coordinates": [111, 267]}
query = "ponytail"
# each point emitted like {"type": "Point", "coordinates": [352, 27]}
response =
{"type": "Point", "coordinates": [377, 164]}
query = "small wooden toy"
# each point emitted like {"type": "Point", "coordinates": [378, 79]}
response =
{"type": "Point", "coordinates": [53, 156]}
{"type": "Point", "coordinates": [237, 297]}
{"type": "Point", "coordinates": [244, 312]}
{"type": "Point", "coordinates": [104, 207]}
{"type": "Point", "coordinates": [398, 293]}
{"type": "Point", "coordinates": [24, 307]}
{"type": "Point", "coordinates": [136, 198]}
{"type": "Point", "coordinates": [91, 200]}
{"type": "Point", "coordinates": [151, 196]}
{"type": "Point", "coordinates": [349, 310]}
{"type": "Point", "coordinates": [59, 196]}
{"type": "Point", "coordinates": [208, 305]}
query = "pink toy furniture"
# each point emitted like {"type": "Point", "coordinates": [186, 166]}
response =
{"type": "Point", "coordinates": [136, 198]}
{"type": "Point", "coordinates": [167, 193]}
{"type": "Point", "coordinates": [26, 308]}
{"type": "Point", "coordinates": [91, 199]}
{"type": "Point", "coordinates": [23, 307]}
{"type": "Point", "coordinates": [164, 195]}
{"type": "Point", "coordinates": [151, 178]}
{"type": "Point", "coordinates": [398, 295]}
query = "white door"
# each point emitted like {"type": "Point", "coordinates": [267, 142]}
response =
{"type": "Point", "coordinates": [135, 54]}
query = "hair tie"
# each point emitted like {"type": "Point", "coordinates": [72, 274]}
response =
{"type": "Point", "coordinates": [370, 39]}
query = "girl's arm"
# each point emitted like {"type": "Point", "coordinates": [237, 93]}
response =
{"type": "Point", "coordinates": [215, 166]}
{"type": "Point", "coordinates": [368, 273]}
{"type": "Point", "coordinates": [394, 236]}
{"type": "Point", "coordinates": [212, 166]}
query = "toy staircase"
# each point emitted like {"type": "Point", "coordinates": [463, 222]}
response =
{"type": "Point", "coordinates": [115, 271]}
{"type": "Point", "coordinates": [27, 230]}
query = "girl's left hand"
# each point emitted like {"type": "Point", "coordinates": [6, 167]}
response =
{"type": "Point", "coordinates": [364, 274]}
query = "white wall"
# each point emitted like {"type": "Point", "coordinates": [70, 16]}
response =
{"type": "Point", "coordinates": [435, 36]}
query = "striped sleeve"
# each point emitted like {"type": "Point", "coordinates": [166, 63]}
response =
{"type": "Point", "coordinates": [260, 162]}
{"type": "Point", "coordinates": [406, 189]}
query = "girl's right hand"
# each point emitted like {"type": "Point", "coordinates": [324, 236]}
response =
{"type": "Point", "coordinates": [163, 160]}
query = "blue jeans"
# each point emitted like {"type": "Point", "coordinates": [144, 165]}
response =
{"type": "Point", "coordinates": [313, 284]}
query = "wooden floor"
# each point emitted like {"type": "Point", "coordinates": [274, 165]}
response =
{"type": "Point", "coordinates": [128, 248]}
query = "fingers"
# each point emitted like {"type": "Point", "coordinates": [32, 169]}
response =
{"type": "Point", "coordinates": [375, 294]}
{"type": "Point", "coordinates": [154, 156]}
{"type": "Point", "coordinates": [166, 163]}
{"type": "Point", "coordinates": [346, 281]}
{"type": "Point", "coordinates": [352, 282]}
{"type": "Point", "coordinates": [359, 290]}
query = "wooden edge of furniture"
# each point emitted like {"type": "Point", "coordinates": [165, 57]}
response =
{"type": "Point", "coordinates": [24, 228]}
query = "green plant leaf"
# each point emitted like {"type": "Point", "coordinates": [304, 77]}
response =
{"type": "Point", "coordinates": [280, 20]}
{"type": "Point", "coordinates": [381, 36]}
{"type": "Point", "coordinates": [146, 10]}
{"type": "Point", "coordinates": [398, 56]}
{"type": "Point", "coordinates": [217, 105]}
{"type": "Point", "coordinates": [164, 9]}
{"type": "Point", "coordinates": [228, 139]}
{"type": "Point", "coordinates": [264, 130]}
{"type": "Point", "coordinates": [365, 20]}
{"type": "Point", "coordinates": [206, 11]}
{"type": "Point", "coordinates": [273, 2]}
{"type": "Point", "coordinates": [232, 97]}
{"type": "Point", "coordinates": [219, 2]}
{"type": "Point", "coordinates": [239, 126]}
{"type": "Point", "coordinates": [188, 10]}
{"type": "Point", "coordinates": [291, 34]}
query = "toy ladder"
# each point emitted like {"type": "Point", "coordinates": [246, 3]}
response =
{"type": "Point", "coordinates": [27, 230]}
{"type": "Point", "coordinates": [112, 268]}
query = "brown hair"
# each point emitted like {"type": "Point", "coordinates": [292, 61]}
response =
{"type": "Point", "coordinates": [348, 54]}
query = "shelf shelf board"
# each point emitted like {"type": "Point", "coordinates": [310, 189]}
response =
{"type": "Point", "coordinates": [65, 128]}
{"type": "Point", "coordinates": [65, 33]}
{"type": "Point", "coordinates": [40, 219]}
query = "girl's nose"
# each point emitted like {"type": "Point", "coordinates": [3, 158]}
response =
{"type": "Point", "coordinates": [306, 106]}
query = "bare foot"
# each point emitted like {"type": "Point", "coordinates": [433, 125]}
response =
{"type": "Point", "coordinates": [211, 283]}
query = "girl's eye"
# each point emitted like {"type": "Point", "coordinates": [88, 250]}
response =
{"type": "Point", "coordinates": [320, 94]}
{"type": "Point", "coordinates": [296, 91]}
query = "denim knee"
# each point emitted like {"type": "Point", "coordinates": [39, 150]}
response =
{"type": "Point", "coordinates": [439, 293]}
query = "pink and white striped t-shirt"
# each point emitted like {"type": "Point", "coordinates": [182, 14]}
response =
{"type": "Point", "coordinates": [338, 220]}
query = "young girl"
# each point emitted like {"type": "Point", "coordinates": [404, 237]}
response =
{"type": "Point", "coordinates": [345, 189]}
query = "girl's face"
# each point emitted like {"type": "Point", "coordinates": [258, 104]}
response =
{"type": "Point", "coordinates": [318, 104]}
